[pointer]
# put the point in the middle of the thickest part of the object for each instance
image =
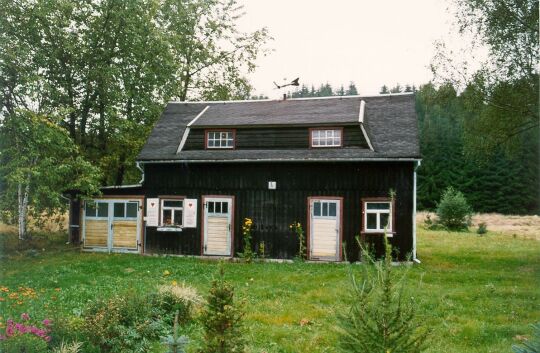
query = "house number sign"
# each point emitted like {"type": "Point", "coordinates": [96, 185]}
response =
{"type": "Point", "coordinates": [190, 213]}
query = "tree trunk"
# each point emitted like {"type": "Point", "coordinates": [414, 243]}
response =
{"type": "Point", "coordinates": [23, 209]}
{"type": "Point", "coordinates": [121, 169]}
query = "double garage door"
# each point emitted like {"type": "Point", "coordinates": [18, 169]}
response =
{"type": "Point", "coordinates": [112, 225]}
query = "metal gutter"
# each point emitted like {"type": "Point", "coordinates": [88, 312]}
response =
{"type": "Point", "coordinates": [121, 186]}
{"type": "Point", "coordinates": [138, 165]}
{"type": "Point", "coordinates": [163, 161]}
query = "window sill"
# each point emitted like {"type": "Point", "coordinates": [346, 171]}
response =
{"type": "Point", "coordinates": [377, 232]}
{"type": "Point", "coordinates": [169, 229]}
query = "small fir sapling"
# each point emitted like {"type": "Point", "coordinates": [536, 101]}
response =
{"type": "Point", "coordinates": [222, 319]}
{"type": "Point", "coordinates": [380, 320]}
{"type": "Point", "coordinates": [453, 210]}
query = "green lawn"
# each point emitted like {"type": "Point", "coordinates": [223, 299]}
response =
{"type": "Point", "coordinates": [476, 293]}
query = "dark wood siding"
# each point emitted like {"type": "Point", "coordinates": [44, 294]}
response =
{"type": "Point", "coordinates": [273, 211]}
{"type": "Point", "coordinates": [275, 138]}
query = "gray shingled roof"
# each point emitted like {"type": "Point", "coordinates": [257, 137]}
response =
{"type": "Point", "coordinates": [390, 122]}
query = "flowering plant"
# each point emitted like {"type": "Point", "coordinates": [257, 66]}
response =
{"type": "Point", "coordinates": [24, 327]}
{"type": "Point", "coordinates": [246, 232]}
{"type": "Point", "coordinates": [296, 227]}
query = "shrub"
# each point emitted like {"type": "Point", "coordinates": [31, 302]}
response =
{"type": "Point", "coordinates": [125, 323]}
{"type": "Point", "coordinates": [221, 319]}
{"type": "Point", "coordinates": [178, 298]}
{"type": "Point", "coordinates": [482, 228]}
{"type": "Point", "coordinates": [453, 210]}
{"type": "Point", "coordinates": [380, 320]}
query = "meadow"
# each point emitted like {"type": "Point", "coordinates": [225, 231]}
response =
{"type": "Point", "coordinates": [476, 293]}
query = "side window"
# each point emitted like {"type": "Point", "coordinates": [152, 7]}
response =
{"type": "Point", "coordinates": [378, 216]}
{"type": "Point", "coordinates": [172, 212]}
{"type": "Point", "coordinates": [96, 209]}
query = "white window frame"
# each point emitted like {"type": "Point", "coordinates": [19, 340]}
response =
{"type": "Point", "coordinates": [216, 137]}
{"type": "Point", "coordinates": [162, 208]}
{"type": "Point", "coordinates": [321, 138]}
{"type": "Point", "coordinates": [378, 213]}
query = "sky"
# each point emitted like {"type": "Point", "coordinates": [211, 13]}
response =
{"type": "Point", "coordinates": [369, 42]}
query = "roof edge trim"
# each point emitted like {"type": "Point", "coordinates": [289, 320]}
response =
{"type": "Point", "coordinates": [186, 131]}
{"type": "Point", "coordinates": [294, 99]}
{"type": "Point", "coordinates": [364, 132]}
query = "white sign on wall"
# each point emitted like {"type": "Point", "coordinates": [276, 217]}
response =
{"type": "Point", "coordinates": [190, 213]}
{"type": "Point", "coordinates": [152, 212]}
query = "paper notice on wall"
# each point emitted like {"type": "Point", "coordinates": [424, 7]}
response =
{"type": "Point", "coordinates": [152, 212]}
{"type": "Point", "coordinates": [190, 213]}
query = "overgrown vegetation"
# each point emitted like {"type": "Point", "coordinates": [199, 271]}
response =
{"type": "Point", "coordinates": [477, 294]}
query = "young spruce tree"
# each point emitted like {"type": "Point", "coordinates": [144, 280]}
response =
{"type": "Point", "coordinates": [221, 319]}
{"type": "Point", "coordinates": [380, 319]}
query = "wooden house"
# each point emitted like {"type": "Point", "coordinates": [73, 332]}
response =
{"type": "Point", "coordinates": [340, 166]}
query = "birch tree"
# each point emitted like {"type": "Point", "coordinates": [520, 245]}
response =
{"type": "Point", "coordinates": [38, 162]}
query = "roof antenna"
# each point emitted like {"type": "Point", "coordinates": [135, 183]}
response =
{"type": "Point", "coordinates": [292, 83]}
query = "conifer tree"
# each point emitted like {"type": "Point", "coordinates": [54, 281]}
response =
{"type": "Point", "coordinates": [221, 319]}
{"type": "Point", "coordinates": [380, 319]}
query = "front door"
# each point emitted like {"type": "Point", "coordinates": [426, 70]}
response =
{"type": "Point", "coordinates": [325, 229]}
{"type": "Point", "coordinates": [217, 226]}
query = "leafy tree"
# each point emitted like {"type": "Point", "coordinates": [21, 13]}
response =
{"type": "Point", "coordinates": [113, 64]}
{"type": "Point", "coordinates": [221, 319]}
{"type": "Point", "coordinates": [38, 162]}
{"type": "Point", "coordinates": [505, 90]}
{"type": "Point", "coordinates": [380, 319]}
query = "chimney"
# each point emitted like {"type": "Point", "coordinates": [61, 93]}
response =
{"type": "Point", "coordinates": [284, 96]}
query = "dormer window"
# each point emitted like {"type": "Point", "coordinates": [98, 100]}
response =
{"type": "Point", "coordinates": [220, 139]}
{"type": "Point", "coordinates": [326, 137]}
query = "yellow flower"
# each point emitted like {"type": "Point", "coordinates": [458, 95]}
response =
{"type": "Point", "coordinates": [57, 289]}
{"type": "Point", "coordinates": [174, 283]}
{"type": "Point", "coordinates": [166, 273]}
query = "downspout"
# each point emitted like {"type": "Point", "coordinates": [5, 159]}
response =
{"type": "Point", "coordinates": [138, 165]}
{"type": "Point", "coordinates": [414, 258]}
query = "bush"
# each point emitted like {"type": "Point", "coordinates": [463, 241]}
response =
{"type": "Point", "coordinates": [24, 343]}
{"type": "Point", "coordinates": [453, 210]}
{"type": "Point", "coordinates": [127, 323]}
{"type": "Point", "coordinates": [482, 228]}
{"type": "Point", "coordinates": [221, 319]}
{"type": "Point", "coordinates": [178, 298]}
{"type": "Point", "coordinates": [379, 320]}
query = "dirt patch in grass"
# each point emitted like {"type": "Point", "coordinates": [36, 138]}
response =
{"type": "Point", "coordinates": [522, 226]}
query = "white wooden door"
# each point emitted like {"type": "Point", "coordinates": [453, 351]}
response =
{"type": "Point", "coordinates": [217, 226]}
{"type": "Point", "coordinates": [324, 229]}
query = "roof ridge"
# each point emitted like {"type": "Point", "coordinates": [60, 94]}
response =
{"type": "Point", "coordinates": [293, 99]}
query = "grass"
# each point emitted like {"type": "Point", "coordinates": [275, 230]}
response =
{"type": "Point", "coordinates": [476, 292]}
